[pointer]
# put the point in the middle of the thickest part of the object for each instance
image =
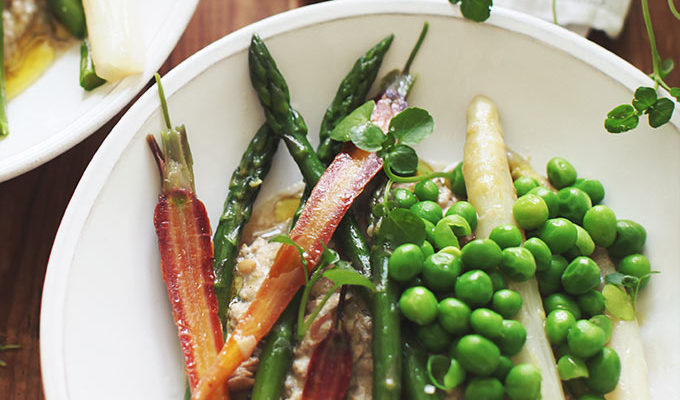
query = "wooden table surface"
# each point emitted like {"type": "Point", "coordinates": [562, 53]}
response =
{"type": "Point", "coordinates": [32, 205]}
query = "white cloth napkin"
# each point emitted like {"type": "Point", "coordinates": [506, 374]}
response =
{"type": "Point", "coordinates": [577, 15]}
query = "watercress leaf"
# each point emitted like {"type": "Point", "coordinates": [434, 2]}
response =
{"type": "Point", "coordinates": [621, 119]}
{"type": "Point", "coordinates": [660, 112]}
{"type": "Point", "coordinates": [442, 373]}
{"type": "Point", "coordinates": [644, 98]}
{"type": "Point", "coordinates": [287, 240]}
{"type": "Point", "coordinates": [328, 257]}
{"type": "Point", "coordinates": [615, 278]}
{"type": "Point", "coordinates": [348, 276]}
{"type": "Point", "coordinates": [367, 136]}
{"type": "Point", "coordinates": [454, 1]}
{"type": "Point", "coordinates": [411, 125]}
{"type": "Point", "coordinates": [402, 226]}
{"type": "Point", "coordinates": [359, 116]}
{"type": "Point", "coordinates": [476, 10]}
{"type": "Point", "coordinates": [666, 68]}
{"type": "Point", "coordinates": [403, 160]}
{"type": "Point", "coordinates": [618, 303]}
{"type": "Point", "coordinates": [675, 92]}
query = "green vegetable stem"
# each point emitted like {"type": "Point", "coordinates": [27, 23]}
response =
{"type": "Point", "coordinates": [71, 14]}
{"type": "Point", "coordinates": [89, 79]}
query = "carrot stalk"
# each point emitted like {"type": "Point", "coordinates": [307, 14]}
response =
{"type": "Point", "coordinates": [186, 252]}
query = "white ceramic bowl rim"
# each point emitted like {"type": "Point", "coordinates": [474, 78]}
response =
{"type": "Point", "coordinates": [54, 291]}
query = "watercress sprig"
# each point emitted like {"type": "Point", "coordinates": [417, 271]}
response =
{"type": "Point", "coordinates": [621, 292]}
{"type": "Point", "coordinates": [476, 10]}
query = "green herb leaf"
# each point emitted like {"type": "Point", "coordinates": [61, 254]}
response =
{"type": "Point", "coordinates": [287, 240]}
{"type": "Point", "coordinates": [666, 68]}
{"type": "Point", "coordinates": [412, 125]}
{"type": "Point", "coordinates": [660, 112]}
{"type": "Point", "coordinates": [443, 372]}
{"type": "Point", "coordinates": [621, 119]}
{"type": "Point", "coordinates": [359, 116]}
{"type": "Point", "coordinates": [454, 1]}
{"type": "Point", "coordinates": [328, 257]}
{"type": "Point", "coordinates": [348, 276]}
{"type": "Point", "coordinates": [644, 98]}
{"type": "Point", "coordinates": [623, 280]}
{"type": "Point", "coordinates": [675, 92]}
{"type": "Point", "coordinates": [570, 367]}
{"type": "Point", "coordinates": [476, 10]}
{"type": "Point", "coordinates": [402, 226]}
{"type": "Point", "coordinates": [403, 160]}
{"type": "Point", "coordinates": [618, 303]}
{"type": "Point", "coordinates": [367, 136]}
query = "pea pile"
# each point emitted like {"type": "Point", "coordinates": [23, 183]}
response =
{"type": "Point", "coordinates": [457, 302]}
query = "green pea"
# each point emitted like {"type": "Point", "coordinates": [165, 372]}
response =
{"type": "Point", "coordinates": [574, 203]}
{"type": "Point", "coordinates": [484, 389]}
{"type": "Point", "coordinates": [518, 264]}
{"type": "Point", "coordinates": [444, 236]}
{"type": "Point", "coordinates": [600, 222]}
{"type": "Point", "coordinates": [604, 370]}
{"type": "Point", "coordinates": [440, 271]}
{"type": "Point", "coordinates": [585, 339]}
{"type": "Point", "coordinates": [550, 280]}
{"type": "Point", "coordinates": [512, 338]}
{"type": "Point", "coordinates": [584, 244]}
{"type": "Point", "coordinates": [581, 275]}
{"type": "Point", "coordinates": [465, 210]}
{"type": "Point", "coordinates": [458, 224]}
{"type": "Point", "coordinates": [592, 187]}
{"type": "Point", "coordinates": [524, 184]}
{"type": "Point", "coordinates": [530, 211]}
{"type": "Point", "coordinates": [454, 251]}
{"type": "Point", "coordinates": [404, 198]}
{"type": "Point", "coordinates": [474, 288]}
{"type": "Point", "coordinates": [589, 396]}
{"type": "Point", "coordinates": [557, 325]}
{"type": "Point", "coordinates": [454, 316]}
{"type": "Point", "coordinates": [427, 249]}
{"type": "Point", "coordinates": [576, 387]}
{"type": "Point", "coordinates": [507, 302]}
{"type": "Point", "coordinates": [497, 280]}
{"type": "Point", "coordinates": [630, 237]}
{"type": "Point", "coordinates": [429, 230]}
{"type": "Point", "coordinates": [605, 323]}
{"type": "Point", "coordinates": [560, 172]}
{"type": "Point", "coordinates": [540, 251]}
{"type": "Point", "coordinates": [550, 199]}
{"type": "Point", "coordinates": [405, 262]}
{"type": "Point", "coordinates": [636, 265]}
{"type": "Point", "coordinates": [591, 302]}
{"type": "Point", "coordinates": [559, 234]}
{"type": "Point", "coordinates": [427, 190]}
{"type": "Point", "coordinates": [523, 382]}
{"type": "Point", "coordinates": [419, 305]}
{"type": "Point", "coordinates": [458, 182]}
{"type": "Point", "coordinates": [506, 236]}
{"type": "Point", "coordinates": [433, 337]}
{"type": "Point", "coordinates": [504, 366]}
{"type": "Point", "coordinates": [484, 254]}
{"type": "Point", "coordinates": [478, 355]}
{"type": "Point", "coordinates": [561, 301]}
{"type": "Point", "coordinates": [570, 367]}
{"type": "Point", "coordinates": [428, 210]}
{"type": "Point", "coordinates": [486, 323]}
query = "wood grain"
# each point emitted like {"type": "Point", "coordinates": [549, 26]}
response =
{"type": "Point", "coordinates": [31, 205]}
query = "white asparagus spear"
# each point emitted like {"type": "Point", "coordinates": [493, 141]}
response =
{"type": "Point", "coordinates": [114, 28]}
{"type": "Point", "coordinates": [626, 341]}
{"type": "Point", "coordinates": [490, 189]}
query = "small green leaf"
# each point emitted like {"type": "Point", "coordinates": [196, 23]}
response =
{"type": "Point", "coordinates": [644, 98]}
{"type": "Point", "coordinates": [402, 226]}
{"type": "Point", "coordinates": [412, 125]}
{"type": "Point", "coordinates": [454, 1]}
{"type": "Point", "coordinates": [367, 136]}
{"type": "Point", "coordinates": [359, 116]}
{"type": "Point", "coordinates": [328, 257]}
{"type": "Point", "coordinates": [287, 240]}
{"type": "Point", "coordinates": [675, 92]}
{"type": "Point", "coordinates": [618, 303]}
{"type": "Point", "coordinates": [444, 373]}
{"type": "Point", "coordinates": [666, 68]}
{"type": "Point", "coordinates": [348, 276]}
{"type": "Point", "coordinates": [621, 119]}
{"type": "Point", "coordinates": [476, 10]}
{"type": "Point", "coordinates": [570, 367]}
{"type": "Point", "coordinates": [403, 160]}
{"type": "Point", "coordinates": [660, 112]}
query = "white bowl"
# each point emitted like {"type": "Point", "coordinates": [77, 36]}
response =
{"type": "Point", "coordinates": [106, 328]}
{"type": "Point", "coordinates": [55, 113]}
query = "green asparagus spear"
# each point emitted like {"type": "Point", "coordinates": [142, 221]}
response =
{"type": "Point", "coordinates": [350, 95]}
{"type": "Point", "coordinates": [89, 79]}
{"type": "Point", "coordinates": [4, 126]}
{"type": "Point", "coordinates": [415, 380]}
{"type": "Point", "coordinates": [238, 207]}
{"type": "Point", "coordinates": [71, 14]}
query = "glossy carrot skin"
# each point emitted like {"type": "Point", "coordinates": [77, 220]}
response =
{"type": "Point", "coordinates": [330, 199]}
